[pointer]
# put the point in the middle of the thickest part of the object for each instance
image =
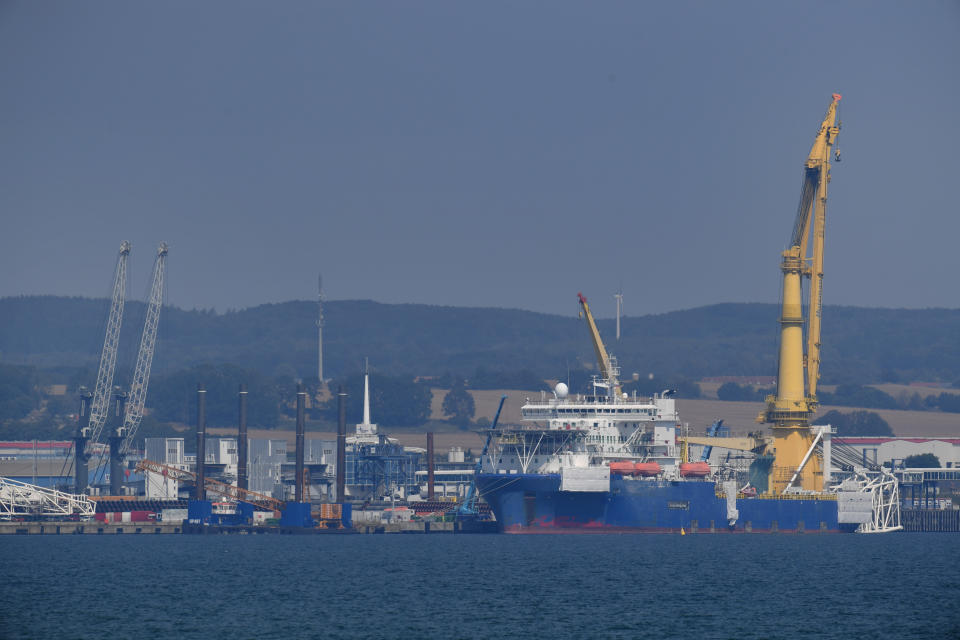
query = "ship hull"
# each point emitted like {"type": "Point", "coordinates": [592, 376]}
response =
{"type": "Point", "coordinates": [534, 503]}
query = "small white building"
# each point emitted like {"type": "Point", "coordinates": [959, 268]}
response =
{"type": "Point", "coordinates": [168, 451]}
{"type": "Point", "coordinates": [224, 451]}
{"type": "Point", "coordinates": [447, 483]}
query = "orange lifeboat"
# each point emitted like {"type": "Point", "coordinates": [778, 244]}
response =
{"type": "Point", "coordinates": [623, 468]}
{"type": "Point", "coordinates": [694, 469]}
{"type": "Point", "coordinates": [646, 469]}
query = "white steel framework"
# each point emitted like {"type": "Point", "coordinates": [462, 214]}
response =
{"type": "Point", "coordinates": [100, 404]}
{"type": "Point", "coordinates": [886, 503]}
{"type": "Point", "coordinates": [19, 498]}
{"type": "Point", "coordinates": [148, 340]}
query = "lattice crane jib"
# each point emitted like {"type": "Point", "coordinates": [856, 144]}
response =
{"type": "Point", "coordinates": [214, 486]}
{"type": "Point", "coordinates": [148, 340]}
{"type": "Point", "coordinates": [100, 403]}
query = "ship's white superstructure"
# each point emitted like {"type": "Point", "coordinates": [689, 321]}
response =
{"type": "Point", "coordinates": [562, 430]}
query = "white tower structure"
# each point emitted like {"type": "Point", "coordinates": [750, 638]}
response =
{"type": "Point", "coordinates": [366, 431]}
{"type": "Point", "coordinates": [320, 328]}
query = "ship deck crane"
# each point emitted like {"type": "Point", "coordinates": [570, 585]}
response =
{"type": "Point", "coordinates": [608, 369]}
{"type": "Point", "coordinates": [468, 508]}
{"type": "Point", "coordinates": [790, 410]}
{"type": "Point", "coordinates": [711, 432]}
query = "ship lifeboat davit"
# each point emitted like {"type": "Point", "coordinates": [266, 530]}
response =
{"type": "Point", "coordinates": [694, 469]}
{"type": "Point", "coordinates": [647, 469]}
{"type": "Point", "coordinates": [623, 468]}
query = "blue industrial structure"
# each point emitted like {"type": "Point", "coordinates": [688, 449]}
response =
{"type": "Point", "coordinates": [379, 469]}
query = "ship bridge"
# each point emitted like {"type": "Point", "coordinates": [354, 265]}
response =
{"type": "Point", "coordinates": [630, 409]}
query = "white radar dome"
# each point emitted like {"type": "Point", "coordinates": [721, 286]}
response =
{"type": "Point", "coordinates": [561, 390]}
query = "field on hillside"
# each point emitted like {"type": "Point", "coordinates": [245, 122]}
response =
{"type": "Point", "coordinates": [486, 401]}
{"type": "Point", "coordinates": [697, 414]}
{"type": "Point", "coordinates": [897, 390]}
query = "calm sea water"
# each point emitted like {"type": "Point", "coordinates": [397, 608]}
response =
{"type": "Point", "coordinates": [481, 586]}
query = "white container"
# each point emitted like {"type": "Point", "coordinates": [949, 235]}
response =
{"type": "Point", "coordinates": [173, 515]}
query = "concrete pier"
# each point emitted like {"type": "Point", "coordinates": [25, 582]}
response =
{"type": "Point", "coordinates": [930, 520]}
{"type": "Point", "coordinates": [88, 528]}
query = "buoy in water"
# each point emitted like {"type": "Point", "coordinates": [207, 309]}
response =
{"type": "Point", "coordinates": [682, 532]}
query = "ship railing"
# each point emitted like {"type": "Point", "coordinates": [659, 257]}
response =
{"type": "Point", "coordinates": [720, 493]}
{"type": "Point", "coordinates": [587, 399]}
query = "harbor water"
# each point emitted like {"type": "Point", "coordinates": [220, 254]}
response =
{"type": "Point", "coordinates": [901, 585]}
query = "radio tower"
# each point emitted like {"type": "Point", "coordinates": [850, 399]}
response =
{"type": "Point", "coordinates": [619, 298]}
{"type": "Point", "coordinates": [320, 328]}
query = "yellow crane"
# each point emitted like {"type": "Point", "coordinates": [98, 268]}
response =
{"type": "Point", "coordinates": [607, 369]}
{"type": "Point", "coordinates": [791, 409]}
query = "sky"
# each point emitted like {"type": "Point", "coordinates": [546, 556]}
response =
{"type": "Point", "coordinates": [492, 154]}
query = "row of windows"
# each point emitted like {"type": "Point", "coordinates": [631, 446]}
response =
{"type": "Point", "coordinates": [648, 412]}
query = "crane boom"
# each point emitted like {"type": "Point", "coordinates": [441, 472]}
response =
{"type": "Point", "coordinates": [469, 505]}
{"type": "Point", "coordinates": [100, 403]}
{"type": "Point", "coordinates": [214, 486]}
{"type": "Point", "coordinates": [818, 170]}
{"type": "Point", "coordinates": [790, 410]}
{"type": "Point", "coordinates": [607, 370]}
{"type": "Point", "coordinates": [148, 340]}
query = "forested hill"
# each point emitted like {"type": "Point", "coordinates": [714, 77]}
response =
{"type": "Point", "coordinates": [860, 345]}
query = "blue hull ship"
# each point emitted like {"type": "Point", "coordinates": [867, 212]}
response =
{"type": "Point", "coordinates": [535, 503]}
{"type": "Point", "coordinates": [611, 461]}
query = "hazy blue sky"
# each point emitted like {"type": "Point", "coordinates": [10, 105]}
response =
{"type": "Point", "coordinates": [486, 154]}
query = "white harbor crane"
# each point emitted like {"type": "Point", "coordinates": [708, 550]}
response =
{"type": "Point", "coordinates": [100, 403]}
{"type": "Point", "coordinates": [148, 340]}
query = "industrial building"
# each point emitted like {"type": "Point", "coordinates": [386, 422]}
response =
{"type": "Point", "coordinates": [41, 463]}
{"type": "Point", "coordinates": [892, 450]}
{"type": "Point", "coordinates": [451, 479]}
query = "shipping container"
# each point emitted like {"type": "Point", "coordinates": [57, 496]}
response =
{"type": "Point", "coordinates": [173, 515]}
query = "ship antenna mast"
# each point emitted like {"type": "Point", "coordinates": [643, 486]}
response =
{"type": "Point", "coordinates": [320, 328]}
{"type": "Point", "coordinates": [619, 297]}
